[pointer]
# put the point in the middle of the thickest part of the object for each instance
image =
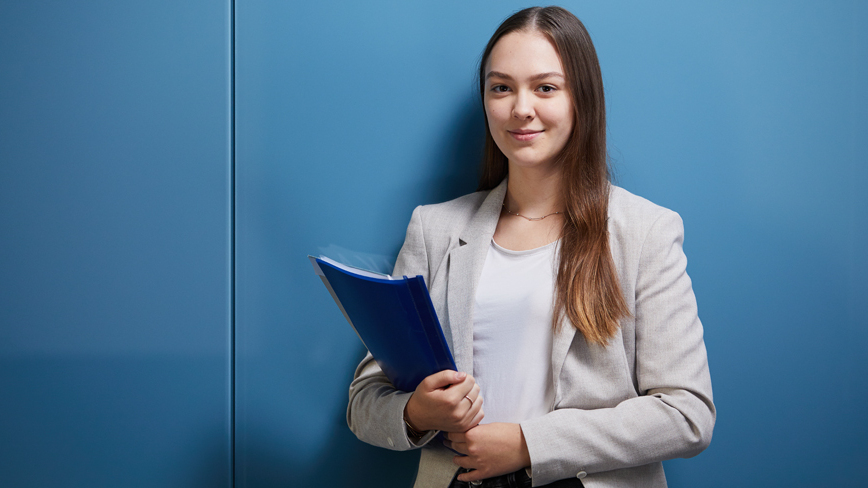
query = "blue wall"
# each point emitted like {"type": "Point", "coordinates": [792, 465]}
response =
{"type": "Point", "coordinates": [115, 177]}
{"type": "Point", "coordinates": [745, 117]}
{"type": "Point", "coordinates": [116, 204]}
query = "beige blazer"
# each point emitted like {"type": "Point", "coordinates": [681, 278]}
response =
{"type": "Point", "coordinates": [619, 410]}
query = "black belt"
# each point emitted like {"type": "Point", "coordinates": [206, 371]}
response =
{"type": "Point", "coordinates": [519, 479]}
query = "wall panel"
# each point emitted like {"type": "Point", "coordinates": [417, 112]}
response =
{"type": "Point", "coordinates": [115, 184]}
{"type": "Point", "coordinates": [743, 117]}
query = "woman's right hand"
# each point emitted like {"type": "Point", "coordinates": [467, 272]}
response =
{"type": "Point", "coordinates": [447, 401]}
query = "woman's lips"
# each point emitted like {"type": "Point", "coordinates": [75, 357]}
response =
{"type": "Point", "coordinates": [524, 135]}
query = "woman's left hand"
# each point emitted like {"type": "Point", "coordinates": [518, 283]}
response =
{"type": "Point", "coordinates": [489, 450]}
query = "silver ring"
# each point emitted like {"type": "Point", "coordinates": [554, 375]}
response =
{"type": "Point", "coordinates": [468, 399]}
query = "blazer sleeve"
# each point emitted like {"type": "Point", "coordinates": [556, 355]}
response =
{"type": "Point", "coordinates": [673, 414]}
{"type": "Point", "coordinates": [375, 412]}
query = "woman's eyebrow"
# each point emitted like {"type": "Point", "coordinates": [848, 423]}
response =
{"type": "Point", "coordinates": [537, 77]}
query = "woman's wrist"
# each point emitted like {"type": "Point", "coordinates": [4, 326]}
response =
{"type": "Point", "coordinates": [412, 431]}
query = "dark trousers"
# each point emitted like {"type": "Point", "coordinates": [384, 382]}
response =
{"type": "Point", "coordinates": [519, 479]}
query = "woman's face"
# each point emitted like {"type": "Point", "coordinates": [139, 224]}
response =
{"type": "Point", "coordinates": [529, 109]}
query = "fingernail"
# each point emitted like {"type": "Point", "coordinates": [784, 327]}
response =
{"type": "Point", "coordinates": [460, 375]}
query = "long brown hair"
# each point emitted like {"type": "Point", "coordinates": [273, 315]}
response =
{"type": "Point", "coordinates": [588, 292]}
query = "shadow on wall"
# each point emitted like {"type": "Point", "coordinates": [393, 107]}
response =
{"type": "Point", "coordinates": [454, 170]}
{"type": "Point", "coordinates": [449, 171]}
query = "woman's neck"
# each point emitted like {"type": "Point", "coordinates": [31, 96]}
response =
{"type": "Point", "coordinates": [534, 193]}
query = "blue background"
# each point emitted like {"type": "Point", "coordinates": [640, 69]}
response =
{"type": "Point", "coordinates": [165, 168]}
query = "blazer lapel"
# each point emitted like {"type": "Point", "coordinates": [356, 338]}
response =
{"type": "Point", "coordinates": [565, 334]}
{"type": "Point", "coordinates": [563, 337]}
{"type": "Point", "coordinates": [465, 266]}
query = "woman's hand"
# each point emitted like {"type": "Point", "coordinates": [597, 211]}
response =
{"type": "Point", "coordinates": [447, 401]}
{"type": "Point", "coordinates": [489, 450]}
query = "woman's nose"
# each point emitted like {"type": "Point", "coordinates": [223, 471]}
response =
{"type": "Point", "coordinates": [523, 107]}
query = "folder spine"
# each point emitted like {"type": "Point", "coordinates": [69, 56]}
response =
{"type": "Point", "coordinates": [427, 315]}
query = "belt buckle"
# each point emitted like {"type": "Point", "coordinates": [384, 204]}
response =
{"type": "Point", "coordinates": [476, 483]}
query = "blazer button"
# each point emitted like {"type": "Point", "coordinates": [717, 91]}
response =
{"type": "Point", "coordinates": [391, 442]}
{"type": "Point", "coordinates": [581, 474]}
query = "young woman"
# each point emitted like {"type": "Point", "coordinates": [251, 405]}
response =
{"type": "Point", "coordinates": [564, 298]}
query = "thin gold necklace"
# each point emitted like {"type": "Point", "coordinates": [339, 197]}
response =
{"type": "Point", "coordinates": [532, 219]}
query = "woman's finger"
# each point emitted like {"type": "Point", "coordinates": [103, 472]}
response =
{"type": "Point", "coordinates": [478, 418]}
{"type": "Point", "coordinates": [463, 461]}
{"type": "Point", "coordinates": [473, 411]}
{"type": "Point", "coordinates": [474, 393]}
{"type": "Point", "coordinates": [469, 476]}
{"type": "Point", "coordinates": [459, 390]}
{"type": "Point", "coordinates": [443, 379]}
{"type": "Point", "coordinates": [456, 436]}
{"type": "Point", "coordinates": [470, 400]}
{"type": "Point", "coordinates": [459, 447]}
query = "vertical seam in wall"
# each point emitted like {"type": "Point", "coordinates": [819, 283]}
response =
{"type": "Point", "coordinates": [232, 243]}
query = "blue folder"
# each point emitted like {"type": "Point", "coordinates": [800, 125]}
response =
{"type": "Point", "coordinates": [394, 318]}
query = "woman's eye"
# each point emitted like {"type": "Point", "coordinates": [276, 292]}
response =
{"type": "Point", "coordinates": [500, 89]}
{"type": "Point", "coordinates": [547, 88]}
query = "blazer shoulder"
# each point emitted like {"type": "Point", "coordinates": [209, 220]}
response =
{"type": "Point", "coordinates": [624, 205]}
{"type": "Point", "coordinates": [631, 217]}
{"type": "Point", "coordinates": [450, 217]}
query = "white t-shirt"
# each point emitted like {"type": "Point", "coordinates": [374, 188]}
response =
{"type": "Point", "coordinates": [512, 333]}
